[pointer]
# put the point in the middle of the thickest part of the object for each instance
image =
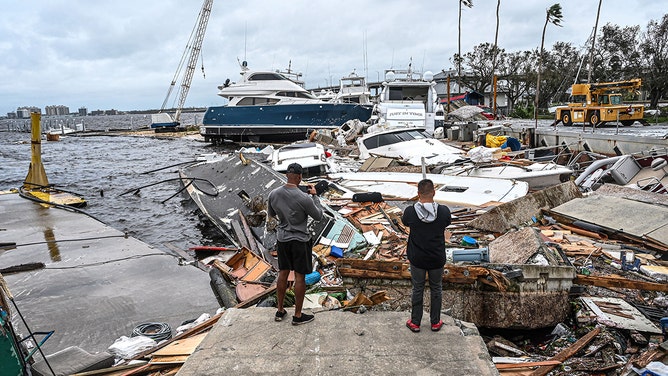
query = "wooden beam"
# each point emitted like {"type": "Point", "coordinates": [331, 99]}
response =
{"type": "Point", "coordinates": [527, 364]}
{"type": "Point", "coordinates": [567, 352]}
{"type": "Point", "coordinates": [619, 282]}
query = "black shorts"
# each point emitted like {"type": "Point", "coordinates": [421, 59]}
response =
{"type": "Point", "coordinates": [295, 255]}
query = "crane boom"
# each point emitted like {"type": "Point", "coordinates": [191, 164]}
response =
{"type": "Point", "coordinates": [191, 53]}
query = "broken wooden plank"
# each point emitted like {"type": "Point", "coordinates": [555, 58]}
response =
{"type": "Point", "coordinates": [236, 226]}
{"type": "Point", "coordinates": [252, 244]}
{"type": "Point", "coordinates": [256, 298]}
{"type": "Point", "coordinates": [619, 282]}
{"type": "Point", "coordinates": [527, 364]}
{"type": "Point", "coordinates": [184, 346]}
{"type": "Point", "coordinates": [568, 352]}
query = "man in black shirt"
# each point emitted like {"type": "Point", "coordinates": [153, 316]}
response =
{"type": "Point", "coordinates": [426, 253]}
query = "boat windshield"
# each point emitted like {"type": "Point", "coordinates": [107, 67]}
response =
{"type": "Point", "coordinates": [385, 139]}
{"type": "Point", "coordinates": [267, 77]}
{"type": "Point", "coordinates": [404, 93]}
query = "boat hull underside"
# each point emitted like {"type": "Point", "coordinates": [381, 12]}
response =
{"type": "Point", "coordinates": [276, 123]}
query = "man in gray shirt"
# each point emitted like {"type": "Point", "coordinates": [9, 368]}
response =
{"type": "Point", "coordinates": [292, 207]}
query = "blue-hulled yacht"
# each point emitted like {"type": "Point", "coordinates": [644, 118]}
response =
{"type": "Point", "coordinates": [267, 106]}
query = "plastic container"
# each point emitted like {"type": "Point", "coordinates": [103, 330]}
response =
{"type": "Point", "coordinates": [469, 241]}
{"type": "Point", "coordinates": [336, 251]}
{"type": "Point", "coordinates": [312, 278]}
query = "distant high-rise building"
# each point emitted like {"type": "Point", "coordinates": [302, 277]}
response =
{"type": "Point", "coordinates": [83, 111]}
{"type": "Point", "coordinates": [24, 112]}
{"type": "Point", "coordinates": [57, 110]}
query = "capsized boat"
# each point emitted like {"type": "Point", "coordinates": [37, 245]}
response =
{"type": "Point", "coordinates": [450, 190]}
{"type": "Point", "coordinates": [409, 144]}
{"type": "Point", "coordinates": [267, 106]}
{"type": "Point", "coordinates": [232, 192]}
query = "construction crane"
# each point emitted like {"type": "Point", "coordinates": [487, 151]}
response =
{"type": "Point", "coordinates": [162, 120]}
{"type": "Point", "coordinates": [599, 103]}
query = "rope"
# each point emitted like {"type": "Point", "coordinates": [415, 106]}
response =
{"type": "Point", "coordinates": [157, 331]}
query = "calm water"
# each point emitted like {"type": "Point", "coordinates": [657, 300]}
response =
{"type": "Point", "coordinates": [103, 167]}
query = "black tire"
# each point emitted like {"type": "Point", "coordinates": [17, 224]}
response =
{"type": "Point", "coordinates": [627, 123]}
{"type": "Point", "coordinates": [566, 118]}
{"type": "Point", "coordinates": [594, 118]}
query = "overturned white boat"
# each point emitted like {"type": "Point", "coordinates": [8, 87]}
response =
{"type": "Point", "coordinates": [409, 145]}
{"type": "Point", "coordinates": [450, 190]}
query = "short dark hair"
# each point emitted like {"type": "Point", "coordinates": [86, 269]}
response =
{"type": "Point", "coordinates": [294, 168]}
{"type": "Point", "coordinates": [425, 186]}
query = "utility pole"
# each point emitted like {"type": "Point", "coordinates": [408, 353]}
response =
{"type": "Point", "coordinates": [593, 41]}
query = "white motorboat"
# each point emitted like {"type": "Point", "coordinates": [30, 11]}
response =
{"type": "Point", "coordinates": [538, 175]}
{"type": "Point", "coordinates": [270, 107]}
{"type": "Point", "coordinates": [310, 155]}
{"type": "Point", "coordinates": [450, 190]}
{"type": "Point", "coordinates": [409, 145]}
{"type": "Point", "coordinates": [415, 147]}
{"type": "Point", "coordinates": [353, 89]}
{"type": "Point", "coordinates": [408, 99]}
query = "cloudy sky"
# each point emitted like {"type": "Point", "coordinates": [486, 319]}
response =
{"type": "Point", "coordinates": [122, 54]}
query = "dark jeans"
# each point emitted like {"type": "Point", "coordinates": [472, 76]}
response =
{"type": "Point", "coordinates": [418, 277]}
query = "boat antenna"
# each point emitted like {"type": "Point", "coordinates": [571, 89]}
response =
{"type": "Point", "coordinates": [424, 55]}
{"type": "Point", "coordinates": [366, 55]}
{"type": "Point", "coordinates": [245, 39]}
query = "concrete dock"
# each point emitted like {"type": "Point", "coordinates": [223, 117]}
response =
{"type": "Point", "coordinates": [250, 342]}
{"type": "Point", "coordinates": [97, 285]}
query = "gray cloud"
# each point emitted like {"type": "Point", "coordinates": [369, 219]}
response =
{"type": "Point", "coordinates": [122, 54]}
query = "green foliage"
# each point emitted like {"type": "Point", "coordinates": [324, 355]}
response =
{"type": "Point", "coordinates": [554, 15]}
{"type": "Point", "coordinates": [522, 111]}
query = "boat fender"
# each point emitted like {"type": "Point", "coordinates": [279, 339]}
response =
{"type": "Point", "coordinates": [368, 197]}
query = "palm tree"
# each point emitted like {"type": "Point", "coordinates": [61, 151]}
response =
{"type": "Point", "coordinates": [468, 3]}
{"type": "Point", "coordinates": [553, 16]}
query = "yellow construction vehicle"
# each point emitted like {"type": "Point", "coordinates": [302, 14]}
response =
{"type": "Point", "coordinates": [599, 103]}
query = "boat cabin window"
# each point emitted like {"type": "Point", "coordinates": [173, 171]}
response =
{"type": "Point", "coordinates": [294, 94]}
{"type": "Point", "coordinates": [266, 77]}
{"type": "Point", "coordinates": [259, 101]}
{"type": "Point", "coordinates": [393, 138]}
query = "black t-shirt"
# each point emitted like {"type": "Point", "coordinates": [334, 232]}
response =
{"type": "Point", "coordinates": [426, 242]}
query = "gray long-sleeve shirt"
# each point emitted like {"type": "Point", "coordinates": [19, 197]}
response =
{"type": "Point", "coordinates": [293, 207]}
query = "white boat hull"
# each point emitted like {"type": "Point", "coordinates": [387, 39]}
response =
{"type": "Point", "coordinates": [450, 190]}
